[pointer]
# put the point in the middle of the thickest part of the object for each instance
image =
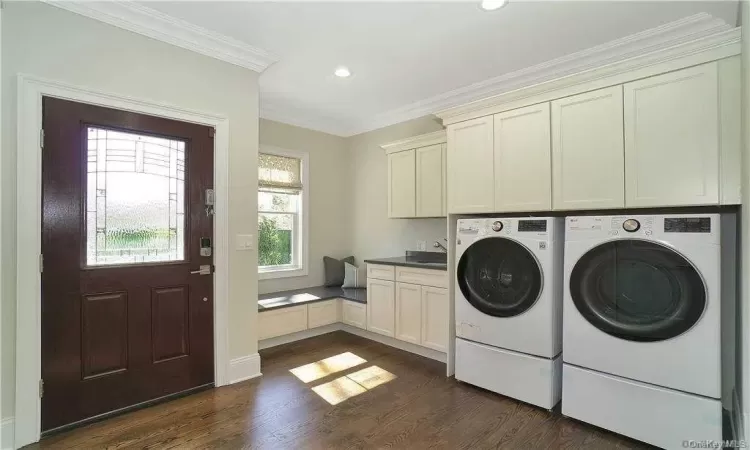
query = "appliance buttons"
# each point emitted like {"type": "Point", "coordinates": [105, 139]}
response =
{"type": "Point", "coordinates": [497, 225]}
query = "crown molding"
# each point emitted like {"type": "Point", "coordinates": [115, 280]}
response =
{"type": "Point", "coordinates": [675, 39]}
{"type": "Point", "coordinates": [149, 22]}
{"type": "Point", "coordinates": [423, 140]}
{"type": "Point", "coordinates": [271, 110]}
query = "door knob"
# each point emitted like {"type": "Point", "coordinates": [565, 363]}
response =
{"type": "Point", "coordinates": [205, 269]}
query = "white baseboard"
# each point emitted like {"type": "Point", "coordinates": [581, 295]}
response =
{"type": "Point", "coordinates": [244, 368]}
{"type": "Point", "coordinates": [298, 336]}
{"type": "Point", "coordinates": [391, 342]}
{"type": "Point", "coordinates": [6, 434]}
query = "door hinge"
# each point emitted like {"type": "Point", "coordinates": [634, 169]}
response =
{"type": "Point", "coordinates": [41, 138]}
{"type": "Point", "coordinates": [41, 388]}
{"type": "Point", "coordinates": [41, 263]}
{"type": "Point", "coordinates": [211, 132]}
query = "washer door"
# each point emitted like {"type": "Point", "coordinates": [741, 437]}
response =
{"type": "Point", "coordinates": [637, 290]}
{"type": "Point", "coordinates": [499, 277]}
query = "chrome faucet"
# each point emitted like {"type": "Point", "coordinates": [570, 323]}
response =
{"type": "Point", "coordinates": [437, 244]}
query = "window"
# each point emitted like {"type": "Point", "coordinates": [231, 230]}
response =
{"type": "Point", "coordinates": [135, 198]}
{"type": "Point", "coordinates": [282, 224]}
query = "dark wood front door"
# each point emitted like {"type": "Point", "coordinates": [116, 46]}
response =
{"type": "Point", "coordinates": [124, 320]}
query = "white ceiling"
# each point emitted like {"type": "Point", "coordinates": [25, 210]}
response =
{"type": "Point", "coordinates": [407, 58]}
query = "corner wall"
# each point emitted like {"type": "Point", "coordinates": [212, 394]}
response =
{"type": "Point", "coordinates": [374, 235]}
{"type": "Point", "coordinates": [742, 368]}
{"type": "Point", "coordinates": [329, 193]}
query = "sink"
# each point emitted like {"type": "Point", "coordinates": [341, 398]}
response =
{"type": "Point", "coordinates": [437, 258]}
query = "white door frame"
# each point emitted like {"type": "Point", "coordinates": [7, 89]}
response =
{"type": "Point", "coordinates": [29, 230]}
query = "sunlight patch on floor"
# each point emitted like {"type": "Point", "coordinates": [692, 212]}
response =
{"type": "Point", "coordinates": [324, 367]}
{"type": "Point", "coordinates": [348, 386]}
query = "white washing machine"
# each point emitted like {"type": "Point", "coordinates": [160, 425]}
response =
{"type": "Point", "coordinates": [509, 306]}
{"type": "Point", "coordinates": [642, 323]}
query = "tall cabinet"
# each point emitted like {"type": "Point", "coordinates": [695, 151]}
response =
{"type": "Point", "coordinates": [416, 176]}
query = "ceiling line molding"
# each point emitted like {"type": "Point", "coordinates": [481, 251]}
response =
{"type": "Point", "coordinates": [290, 116]}
{"type": "Point", "coordinates": [422, 140]}
{"type": "Point", "coordinates": [149, 22]}
{"type": "Point", "coordinates": [668, 41]}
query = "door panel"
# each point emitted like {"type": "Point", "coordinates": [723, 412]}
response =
{"type": "Point", "coordinates": [170, 322]}
{"type": "Point", "coordinates": [401, 187]}
{"type": "Point", "coordinates": [523, 173]}
{"type": "Point", "coordinates": [470, 170]}
{"type": "Point", "coordinates": [123, 319]}
{"type": "Point", "coordinates": [105, 334]}
{"type": "Point", "coordinates": [588, 151]}
{"type": "Point", "coordinates": [672, 139]}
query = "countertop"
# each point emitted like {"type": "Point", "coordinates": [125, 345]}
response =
{"type": "Point", "coordinates": [422, 260]}
{"type": "Point", "coordinates": [284, 299]}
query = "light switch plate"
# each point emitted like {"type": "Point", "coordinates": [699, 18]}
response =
{"type": "Point", "coordinates": [245, 242]}
{"type": "Point", "coordinates": [421, 246]}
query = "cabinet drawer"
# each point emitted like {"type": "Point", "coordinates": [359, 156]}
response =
{"type": "Point", "coordinates": [322, 313]}
{"type": "Point", "coordinates": [380, 272]}
{"type": "Point", "coordinates": [354, 314]}
{"type": "Point", "coordinates": [282, 321]}
{"type": "Point", "coordinates": [425, 277]}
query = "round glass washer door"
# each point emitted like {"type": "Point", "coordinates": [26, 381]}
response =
{"type": "Point", "coordinates": [499, 277]}
{"type": "Point", "coordinates": [637, 290]}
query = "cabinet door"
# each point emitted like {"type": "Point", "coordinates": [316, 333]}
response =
{"type": "Point", "coordinates": [523, 178]}
{"type": "Point", "coordinates": [588, 163]}
{"type": "Point", "coordinates": [672, 139]}
{"type": "Point", "coordinates": [401, 184]}
{"type": "Point", "coordinates": [435, 318]}
{"type": "Point", "coordinates": [409, 312]}
{"type": "Point", "coordinates": [381, 307]}
{"type": "Point", "coordinates": [354, 314]}
{"type": "Point", "coordinates": [470, 170]}
{"type": "Point", "coordinates": [430, 163]}
{"type": "Point", "coordinates": [323, 313]}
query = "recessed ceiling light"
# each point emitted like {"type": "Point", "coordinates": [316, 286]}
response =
{"type": "Point", "coordinates": [342, 72]}
{"type": "Point", "coordinates": [491, 5]}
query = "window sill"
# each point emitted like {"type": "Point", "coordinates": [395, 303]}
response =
{"type": "Point", "coordinates": [291, 272]}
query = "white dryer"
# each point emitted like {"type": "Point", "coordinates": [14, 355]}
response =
{"type": "Point", "coordinates": [642, 323]}
{"type": "Point", "coordinates": [509, 306]}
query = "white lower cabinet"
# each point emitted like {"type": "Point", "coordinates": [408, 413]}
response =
{"type": "Point", "coordinates": [354, 314]}
{"type": "Point", "coordinates": [323, 313]}
{"type": "Point", "coordinates": [409, 312]}
{"type": "Point", "coordinates": [435, 318]}
{"type": "Point", "coordinates": [282, 321]}
{"type": "Point", "coordinates": [381, 307]}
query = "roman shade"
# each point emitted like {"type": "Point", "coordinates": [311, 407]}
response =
{"type": "Point", "coordinates": [279, 172]}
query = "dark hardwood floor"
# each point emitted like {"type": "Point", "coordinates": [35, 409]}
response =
{"type": "Point", "coordinates": [419, 408]}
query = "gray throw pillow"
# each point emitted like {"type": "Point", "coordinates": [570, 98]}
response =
{"type": "Point", "coordinates": [354, 277]}
{"type": "Point", "coordinates": [334, 270]}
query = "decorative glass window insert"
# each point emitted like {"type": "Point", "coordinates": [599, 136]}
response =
{"type": "Point", "coordinates": [279, 213]}
{"type": "Point", "coordinates": [135, 198]}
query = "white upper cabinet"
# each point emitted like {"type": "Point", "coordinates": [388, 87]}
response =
{"type": "Point", "coordinates": [522, 178]}
{"type": "Point", "coordinates": [730, 118]}
{"type": "Point", "coordinates": [470, 169]}
{"type": "Point", "coordinates": [430, 164]}
{"type": "Point", "coordinates": [672, 139]}
{"type": "Point", "coordinates": [416, 176]}
{"type": "Point", "coordinates": [401, 184]}
{"type": "Point", "coordinates": [587, 151]}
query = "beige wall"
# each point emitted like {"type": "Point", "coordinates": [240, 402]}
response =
{"type": "Point", "coordinates": [45, 41]}
{"type": "Point", "coordinates": [329, 196]}
{"type": "Point", "coordinates": [373, 233]}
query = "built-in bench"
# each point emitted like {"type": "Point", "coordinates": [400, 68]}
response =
{"type": "Point", "coordinates": [287, 312]}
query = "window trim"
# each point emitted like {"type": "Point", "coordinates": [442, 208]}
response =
{"type": "Point", "coordinates": [303, 218]}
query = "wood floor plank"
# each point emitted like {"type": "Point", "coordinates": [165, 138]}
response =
{"type": "Point", "coordinates": [419, 408]}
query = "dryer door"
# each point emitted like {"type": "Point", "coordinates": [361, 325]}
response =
{"type": "Point", "coordinates": [499, 277]}
{"type": "Point", "coordinates": [637, 290]}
